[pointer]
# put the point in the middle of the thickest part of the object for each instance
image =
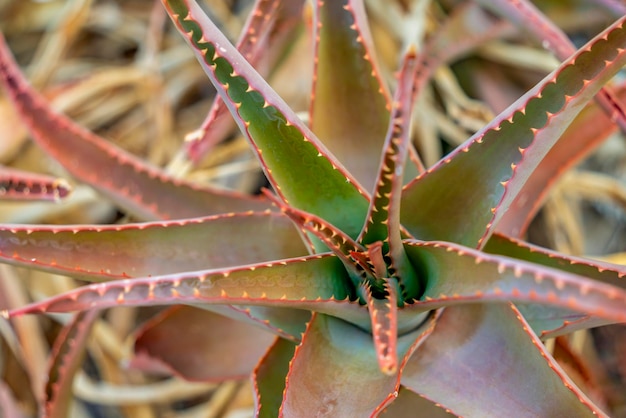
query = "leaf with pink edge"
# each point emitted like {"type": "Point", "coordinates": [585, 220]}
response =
{"type": "Point", "coordinates": [445, 266]}
{"type": "Point", "coordinates": [320, 382]}
{"type": "Point", "coordinates": [526, 15]}
{"type": "Point", "coordinates": [269, 27]}
{"type": "Point", "coordinates": [22, 185]}
{"type": "Point", "coordinates": [316, 283]}
{"type": "Point", "coordinates": [590, 128]}
{"type": "Point", "coordinates": [383, 219]}
{"type": "Point", "coordinates": [67, 357]}
{"type": "Point", "coordinates": [97, 253]}
{"type": "Point", "coordinates": [477, 362]}
{"type": "Point", "coordinates": [603, 272]}
{"type": "Point", "coordinates": [345, 68]}
{"type": "Point", "coordinates": [143, 190]}
{"type": "Point", "coordinates": [551, 321]}
{"type": "Point", "coordinates": [269, 378]}
{"type": "Point", "coordinates": [298, 166]}
{"type": "Point", "coordinates": [202, 346]}
{"type": "Point", "coordinates": [496, 161]}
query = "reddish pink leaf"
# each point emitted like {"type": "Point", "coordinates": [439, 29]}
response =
{"type": "Point", "coordinates": [199, 345]}
{"type": "Point", "coordinates": [482, 360]}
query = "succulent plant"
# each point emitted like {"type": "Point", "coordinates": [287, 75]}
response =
{"type": "Point", "coordinates": [381, 278]}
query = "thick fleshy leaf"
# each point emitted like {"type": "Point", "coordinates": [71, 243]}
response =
{"type": "Point", "coordinates": [98, 253]}
{"type": "Point", "coordinates": [496, 162]}
{"type": "Point", "coordinates": [383, 219]}
{"type": "Point", "coordinates": [525, 14]}
{"type": "Point", "coordinates": [322, 383]}
{"type": "Point", "coordinates": [345, 69]}
{"type": "Point", "coordinates": [612, 274]}
{"type": "Point", "coordinates": [446, 268]}
{"type": "Point", "coordinates": [587, 131]}
{"type": "Point", "coordinates": [21, 185]}
{"type": "Point", "coordinates": [482, 361]}
{"type": "Point", "coordinates": [67, 357]}
{"type": "Point", "coordinates": [269, 378]}
{"type": "Point", "coordinates": [143, 190]}
{"type": "Point", "coordinates": [384, 316]}
{"type": "Point", "coordinates": [549, 321]}
{"type": "Point", "coordinates": [297, 165]}
{"type": "Point", "coordinates": [341, 244]}
{"type": "Point", "coordinates": [266, 18]}
{"type": "Point", "coordinates": [199, 345]}
{"type": "Point", "coordinates": [317, 283]}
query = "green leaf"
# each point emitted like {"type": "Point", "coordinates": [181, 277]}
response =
{"type": "Point", "coordinates": [297, 165]}
{"type": "Point", "coordinates": [98, 253]}
{"type": "Point", "coordinates": [549, 321]}
{"type": "Point", "coordinates": [350, 104]}
{"type": "Point", "coordinates": [446, 268]}
{"type": "Point", "coordinates": [608, 273]}
{"type": "Point", "coordinates": [315, 283]}
{"type": "Point", "coordinates": [265, 19]}
{"type": "Point", "coordinates": [383, 219]}
{"type": "Point", "coordinates": [482, 361]}
{"type": "Point", "coordinates": [526, 15]}
{"type": "Point", "coordinates": [496, 162]}
{"type": "Point", "coordinates": [269, 378]}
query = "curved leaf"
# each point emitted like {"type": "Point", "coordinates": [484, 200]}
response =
{"type": "Point", "coordinates": [98, 253]}
{"type": "Point", "coordinates": [549, 321]}
{"type": "Point", "coordinates": [446, 268]}
{"type": "Point", "coordinates": [590, 128]}
{"type": "Point", "coordinates": [523, 13]}
{"type": "Point", "coordinates": [22, 185]}
{"type": "Point", "coordinates": [265, 18]}
{"type": "Point", "coordinates": [315, 283]}
{"type": "Point", "coordinates": [143, 190]}
{"type": "Point", "coordinates": [495, 163]}
{"type": "Point", "coordinates": [67, 357]}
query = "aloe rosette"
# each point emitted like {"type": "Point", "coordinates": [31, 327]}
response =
{"type": "Point", "coordinates": [378, 289]}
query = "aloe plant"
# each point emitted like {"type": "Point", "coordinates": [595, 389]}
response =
{"type": "Point", "coordinates": [382, 279]}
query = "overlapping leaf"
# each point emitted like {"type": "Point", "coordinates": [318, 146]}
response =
{"type": "Point", "coordinates": [143, 190]}
{"type": "Point", "coordinates": [297, 165]}
{"type": "Point", "coordinates": [513, 144]}
{"type": "Point", "coordinates": [98, 253]}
